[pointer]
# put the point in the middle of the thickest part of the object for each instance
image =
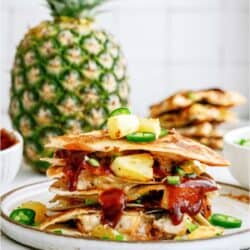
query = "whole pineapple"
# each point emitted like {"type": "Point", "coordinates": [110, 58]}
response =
{"type": "Point", "coordinates": [67, 77]}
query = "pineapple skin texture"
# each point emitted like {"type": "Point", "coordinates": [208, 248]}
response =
{"type": "Point", "coordinates": [138, 167]}
{"type": "Point", "coordinates": [66, 78]}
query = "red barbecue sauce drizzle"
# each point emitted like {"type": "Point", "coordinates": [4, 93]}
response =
{"type": "Point", "coordinates": [7, 139]}
{"type": "Point", "coordinates": [113, 204]}
{"type": "Point", "coordinates": [158, 171]}
{"type": "Point", "coordinates": [75, 163]}
{"type": "Point", "coordinates": [187, 197]}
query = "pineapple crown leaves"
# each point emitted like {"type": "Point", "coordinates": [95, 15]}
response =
{"type": "Point", "coordinates": [74, 8]}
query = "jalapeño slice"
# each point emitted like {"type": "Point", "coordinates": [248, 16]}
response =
{"type": "Point", "coordinates": [225, 221]}
{"type": "Point", "coordinates": [120, 111]}
{"type": "Point", "coordinates": [24, 216]}
{"type": "Point", "coordinates": [141, 137]}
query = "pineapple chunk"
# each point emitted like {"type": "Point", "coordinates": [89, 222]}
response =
{"type": "Point", "coordinates": [150, 125]}
{"type": "Point", "coordinates": [135, 167]}
{"type": "Point", "coordinates": [122, 125]}
{"type": "Point", "coordinates": [39, 208]}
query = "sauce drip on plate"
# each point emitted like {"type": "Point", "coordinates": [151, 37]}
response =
{"type": "Point", "coordinates": [113, 204]}
{"type": "Point", "coordinates": [188, 197]}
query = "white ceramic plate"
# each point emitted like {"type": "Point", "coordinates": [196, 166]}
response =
{"type": "Point", "coordinates": [237, 239]}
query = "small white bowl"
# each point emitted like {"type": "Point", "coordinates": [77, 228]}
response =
{"type": "Point", "coordinates": [238, 155]}
{"type": "Point", "coordinates": [11, 159]}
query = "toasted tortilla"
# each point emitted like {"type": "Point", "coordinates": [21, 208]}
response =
{"type": "Point", "coordinates": [196, 114]}
{"type": "Point", "coordinates": [60, 189]}
{"type": "Point", "coordinates": [172, 145]}
{"type": "Point", "coordinates": [214, 143]}
{"type": "Point", "coordinates": [62, 229]}
{"type": "Point", "coordinates": [136, 192]}
{"type": "Point", "coordinates": [186, 98]}
{"type": "Point", "coordinates": [132, 191]}
{"type": "Point", "coordinates": [133, 224]}
{"type": "Point", "coordinates": [56, 172]}
{"type": "Point", "coordinates": [205, 129]}
{"type": "Point", "coordinates": [65, 216]}
{"type": "Point", "coordinates": [101, 184]}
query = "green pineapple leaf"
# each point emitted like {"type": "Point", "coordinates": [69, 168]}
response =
{"type": "Point", "coordinates": [74, 8]}
{"type": "Point", "coordinates": [66, 78]}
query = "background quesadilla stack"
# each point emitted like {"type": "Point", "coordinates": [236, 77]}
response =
{"type": "Point", "coordinates": [197, 114]}
{"type": "Point", "coordinates": [121, 190]}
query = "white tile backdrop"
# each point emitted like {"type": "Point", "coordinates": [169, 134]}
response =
{"type": "Point", "coordinates": [169, 44]}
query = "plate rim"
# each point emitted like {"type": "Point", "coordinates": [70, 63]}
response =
{"type": "Point", "coordinates": [84, 238]}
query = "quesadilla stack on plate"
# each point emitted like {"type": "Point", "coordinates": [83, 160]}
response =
{"type": "Point", "coordinates": [131, 187]}
{"type": "Point", "coordinates": [197, 114]}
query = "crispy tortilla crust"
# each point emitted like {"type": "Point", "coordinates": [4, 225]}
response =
{"type": "Point", "coordinates": [65, 230]}
{"type": "Point", "coordinates": [196, 114]}
{"type": "Point", "coordinates": [65, 216]}
{"type": "Point", "coordinates": [59, 189]}
{"type": "Point", "coordinates": [132, 191]}
{"type": "Point", "coordinates": [172, 144]}
{"type": "Point", "coordinates": [214, 143]}
{"type": "Point", "coordinates": [135, 225]}
{"type": "Point", "coordinates": [205, 129]}
{"type": "Point", "coordinates": [183, 99]}
{"type": "Point", "coordinates": [56, 172]}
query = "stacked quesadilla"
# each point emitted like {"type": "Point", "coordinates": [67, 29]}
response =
{"type": "Point", "coordinates": [123, 189]}
{"type": "Point", "coordinates": [197, 114]}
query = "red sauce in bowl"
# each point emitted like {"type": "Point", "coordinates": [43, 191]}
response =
{"type": "Point", "coordinates": [7, 139]}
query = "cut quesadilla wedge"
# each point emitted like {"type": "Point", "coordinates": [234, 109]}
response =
{"type": "Point", "coordinates": [204, 129]}
{"type": "Point", "coordinates": [148, 184]}
{"type": "Point", "coordinates": [134, 224]}
{"type": "Point", "coordinates": [168, 174]}
{"type": "Point", "coordinates": [173, 146]}
{"type": "Point", "coordinates": [187, 98]}
{"type": "Point", "coordinates": [214, 143]}
{"type": "Point", "coordinates": [196, 114]}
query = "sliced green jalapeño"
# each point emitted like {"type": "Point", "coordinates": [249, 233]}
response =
{"type": "Point", "coordinates": [225, 221]}
{"type": "Point", "coordinates": [141, 137]}
{"type": "Point", "coordinates": [24, 216]}
{"type": "Point", "coordinates": [120, 111]}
